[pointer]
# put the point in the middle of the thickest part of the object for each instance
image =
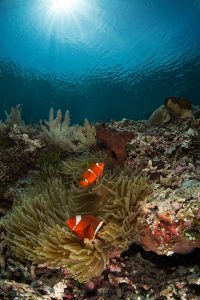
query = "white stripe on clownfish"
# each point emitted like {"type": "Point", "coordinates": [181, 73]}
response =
{"type": "Point", "coordinates": [78, 219]}
{"type": "Point", "coordinates": [97, 164]}
{"type": "Point", "coordinates": [85, 180]}
{"type": "Point", "coordinates": [98, 227]}
{"type": "Point", "coordinates": [92, 172]}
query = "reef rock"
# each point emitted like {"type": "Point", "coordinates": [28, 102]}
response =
{"type": "Point", "coordinates": [172, 223]}
{"type": "Point", "coordinates": [179, 106]}
{"type": "Point", "coordinates": [159, 117]}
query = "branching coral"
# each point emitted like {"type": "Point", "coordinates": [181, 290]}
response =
{"type": "Point", "coordinates": [59, 134]}
{"type": "Point", "coordinates": [36, 227]}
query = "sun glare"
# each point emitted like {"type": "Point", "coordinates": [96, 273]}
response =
{"type": "Point", "coordinates": [63, 6]}
{"type": "Point", "coordinates": [67, 20]}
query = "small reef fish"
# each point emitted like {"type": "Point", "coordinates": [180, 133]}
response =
{"type": "Point", "coordinates": [92, 173]}
{"type": "Point", "coordinates": [84, 226]}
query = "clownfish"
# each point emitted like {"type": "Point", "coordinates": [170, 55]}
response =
{"type": "Point", "coordinates": [92, 173]}
{"type": "Point", "coordinates": [84, 226]}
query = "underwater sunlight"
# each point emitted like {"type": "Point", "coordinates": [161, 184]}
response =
{"type": "Point", "coordinates": [66, 22]}
{"type": "Point", "coordinates": [99, 149]}
{"type": "Point", "coordinates": [64, 7]}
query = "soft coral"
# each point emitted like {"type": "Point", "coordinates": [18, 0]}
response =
{"type": "Point", "coordinates": [114, 143]}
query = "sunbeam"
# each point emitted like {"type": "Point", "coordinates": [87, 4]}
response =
{"type": "Point", "coordinates": [64, 7]}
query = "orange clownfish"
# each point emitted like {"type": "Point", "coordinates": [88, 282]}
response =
{"type": "Point", "coordinates": [92, 173]}
{"type": "Point", "coordinates": [84, 226]}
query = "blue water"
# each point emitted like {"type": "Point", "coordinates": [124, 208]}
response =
{"type": "Point", "coordinates": [104, 59]}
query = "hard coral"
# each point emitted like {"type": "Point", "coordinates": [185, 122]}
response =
{"type": "Point", "coordinates": [179, 106]}
{"type": "Point", "coordinates": [114, 143]}
{"type": "Point", "coordinates": [170, 225]}
{"type": "Point", "coordinates": [36, 227]}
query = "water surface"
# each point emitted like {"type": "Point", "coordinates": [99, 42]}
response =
{"type": "Point", "coordinates": [104, 59]}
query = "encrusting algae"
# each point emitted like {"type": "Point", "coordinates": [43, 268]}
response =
{"type": "Point", "coordinates": [36, 228]}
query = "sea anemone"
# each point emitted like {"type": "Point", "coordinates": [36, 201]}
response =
{"type": "Point", "coordinates": [36, 227]}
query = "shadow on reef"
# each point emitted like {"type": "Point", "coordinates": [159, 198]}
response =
{"type": "Point", "coordinates": [163, 261]}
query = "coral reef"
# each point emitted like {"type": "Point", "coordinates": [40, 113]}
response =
{"type": "Point", "coordinates": [169, 156]}
{"type": "Point", "coordinates": [30, 145]}
{"type": "Point", "coordinates": [12, 163]}
{"type": "Point", "coordinates": [179, 106]}
{"type": "Point", "coordinates": [151, 199]}
{"type": "Point", "coordinates": [49, 158]}
{"type": "Point", "coordinates": [16, 141]}
{"type": "Point", "coordinates": [113, 142]}
{"type": "Point", "coordinates": [172, 107]}
{"type": "Point", "coordinates": [23, 152]}
{"type": "Point", "coordinates": [12, 119]}
{"type": "Point", "coordinates": [59, 134]}
{"type": "Point", "coordinates": [171, 223]}
{"type": "Point", "coordinates": [159, 117]}
{"type": "Point", "coordinates": [135, 274]}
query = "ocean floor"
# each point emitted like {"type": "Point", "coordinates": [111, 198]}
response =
{"type": "Point", "coordinates": [163, 259]}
